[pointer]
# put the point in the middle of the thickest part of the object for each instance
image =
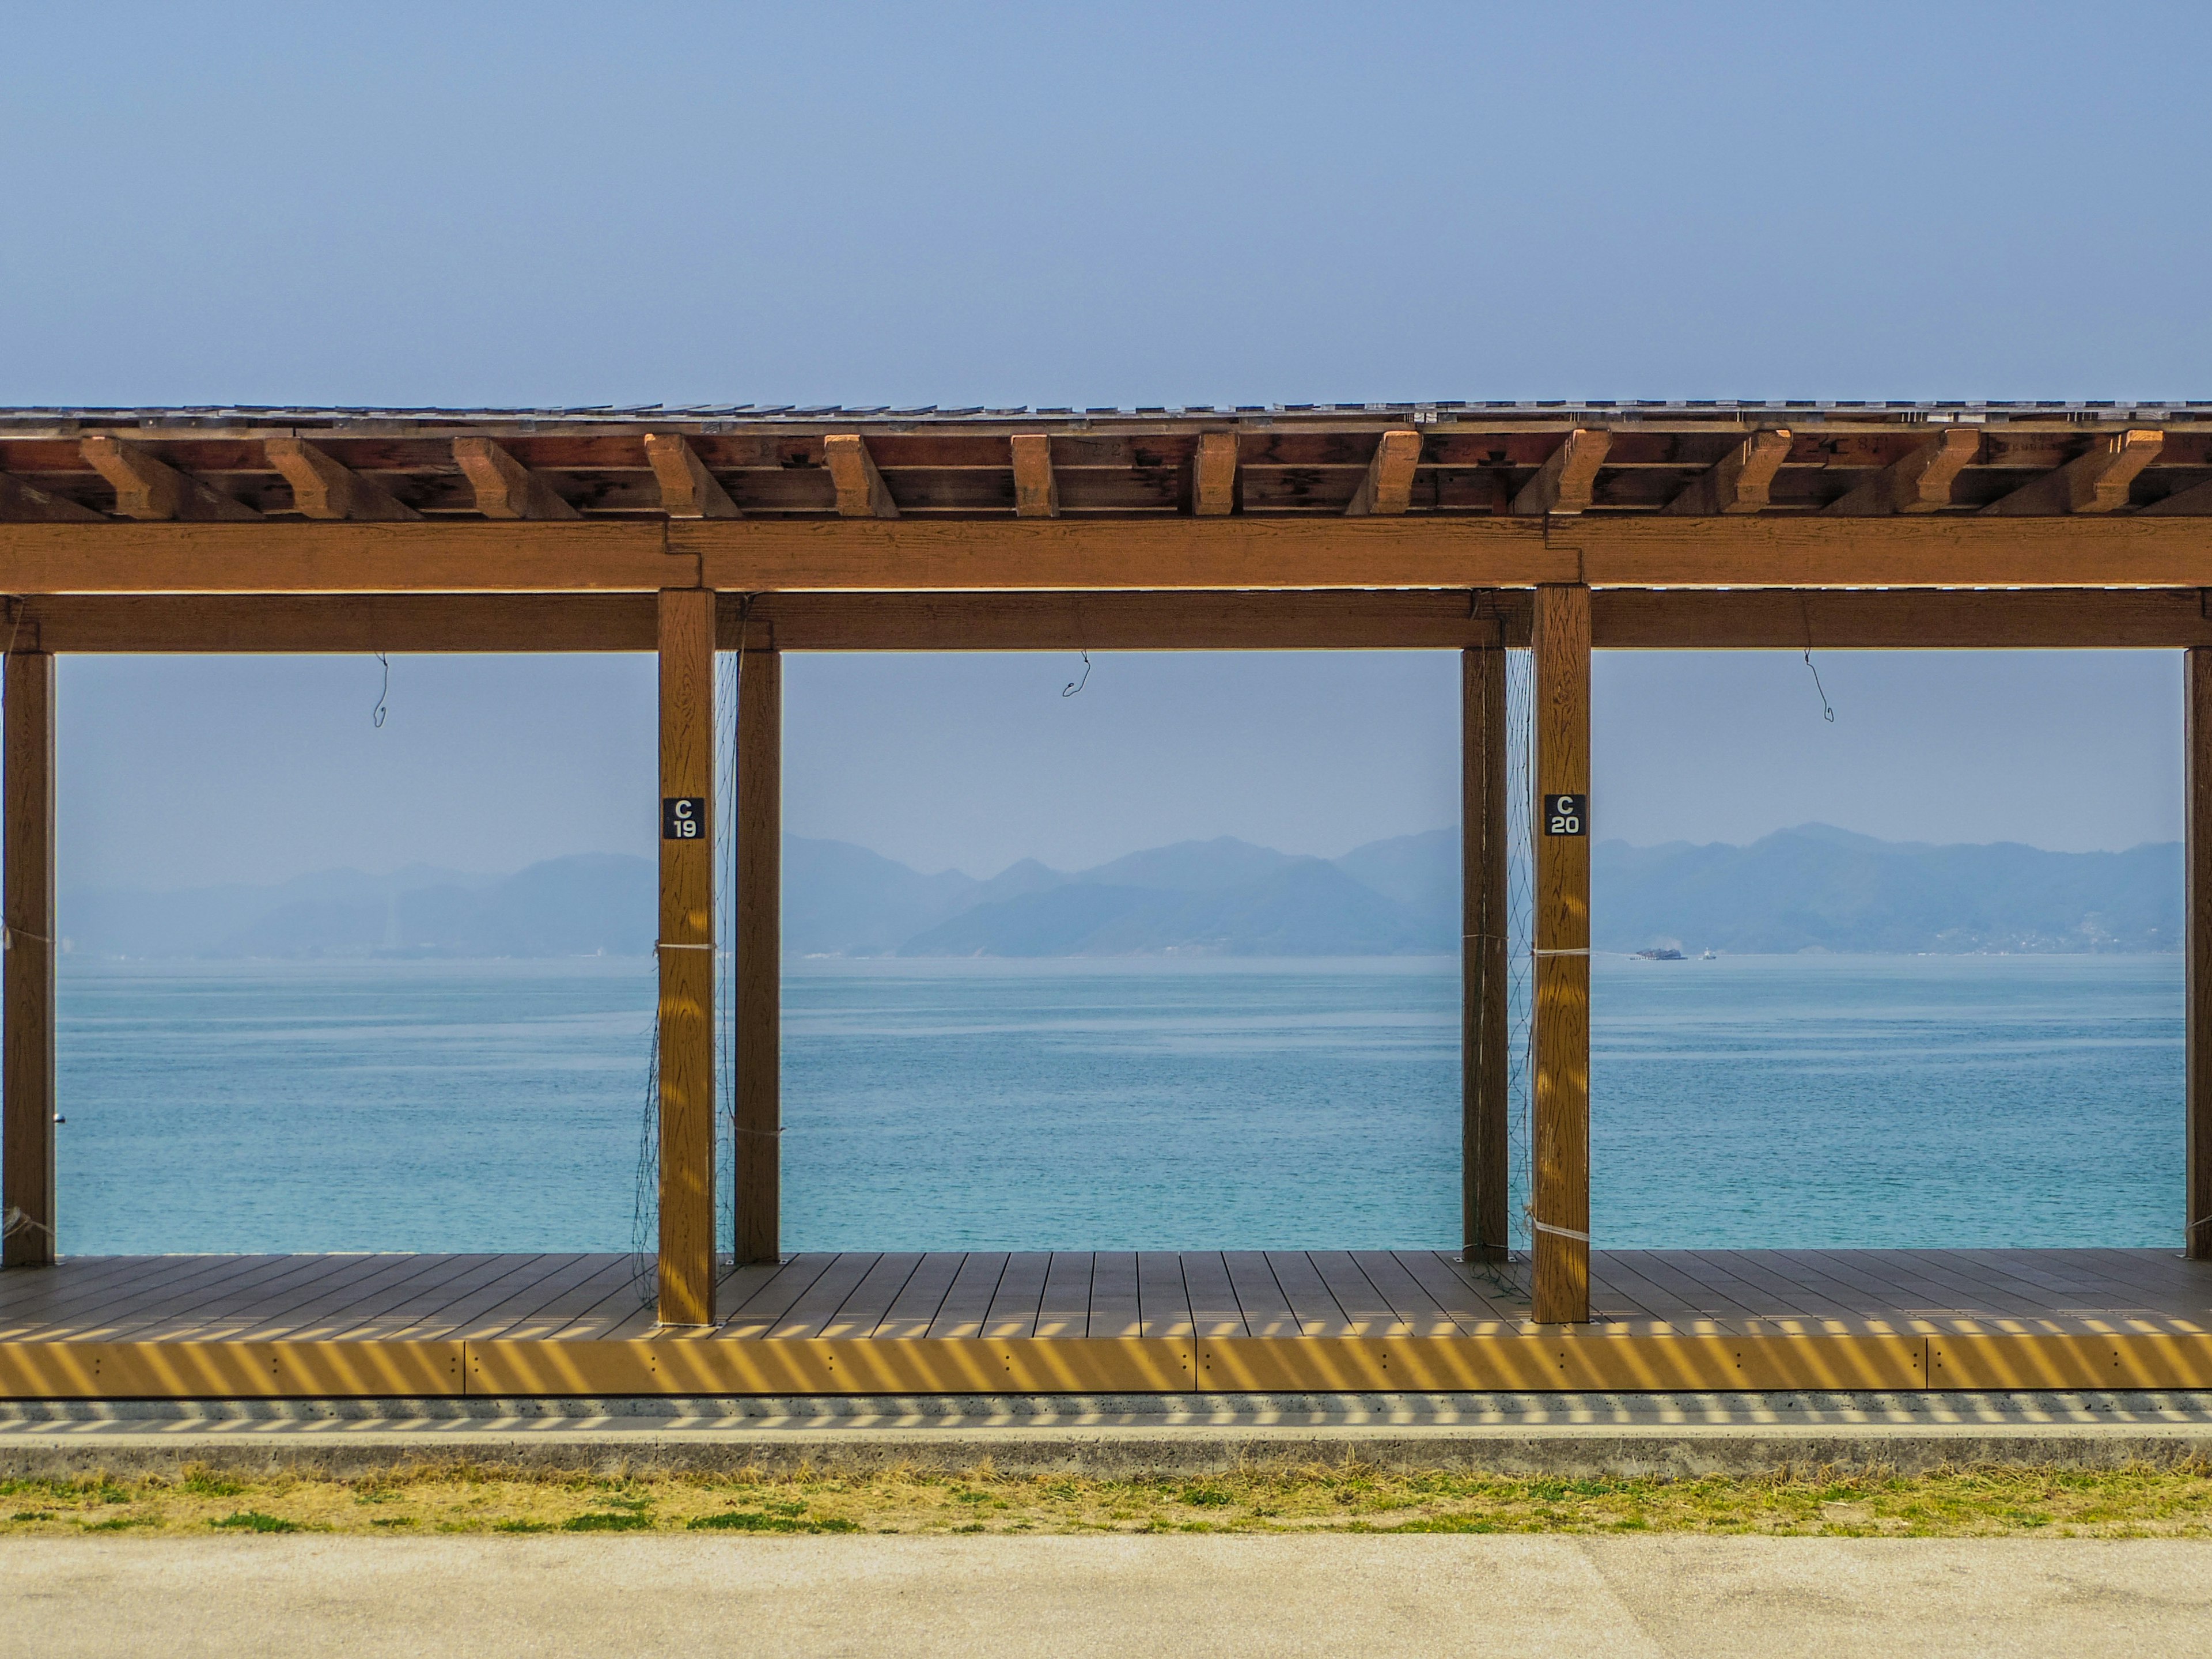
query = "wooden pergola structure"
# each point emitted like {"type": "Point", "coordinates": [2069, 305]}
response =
{"type": "Point", "coordinates": [1561, 527]}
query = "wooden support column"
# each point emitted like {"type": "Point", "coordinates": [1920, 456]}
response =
{"type": "Point", "coordinates": [687, 957]}
{"type": "Point", "coordinates": [1484, 1068]}
{"type": "Point", "coordinates": [760, 956]}
{"type": "Point", "coordinates": [26, 1002]}
{"type": "Point", "coordinates": [1561, 1197]}
{"type": "Point", "coordinates": [2197, 1209]}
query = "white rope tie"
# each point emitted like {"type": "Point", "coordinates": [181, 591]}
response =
{"type": "Point", "coordinates": [1563, 950]}
{"type": "Point", "coordinates": [667, 945]}
{"type": "Point", "coordinates": [8, 936]}
{"type": "Point", "coordinates": [16, 1222]}
{"type": "Point", "coordinates": [1562, 1232]}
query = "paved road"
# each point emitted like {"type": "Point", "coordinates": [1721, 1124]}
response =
{"type": "Point", "coordinates": [1076, 1597]}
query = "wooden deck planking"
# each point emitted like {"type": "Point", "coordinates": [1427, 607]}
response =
{"type": "Point", "coordinates": [1163, 1299]}
{"type": "Point", "coordinates": [1141, 1305]}
{"type": "Point", "coordinates": [1317, 1312]}
{"type": "Point", "coordinates": [1113, 1307]}
{"type": "Point", "coordinates": [1064, 1308]}
{"type": "Point", "coordinates": [1214, 1310]}
{"type": "Point", "coordinates": [915, 1308]}
{"type": "Point", "coordinates": [1020, 1292]}
{"type": "Point", "coordinates": [967, 1304]}
{"type": "Point", "coordinates": [1268, 1311]}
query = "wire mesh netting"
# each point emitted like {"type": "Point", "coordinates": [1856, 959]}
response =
{"type": "Point", "coordinates": [1520, 938]}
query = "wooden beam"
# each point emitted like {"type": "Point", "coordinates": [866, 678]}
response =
{"type": "Point", "coordinates": [686, 949]}
{"type": "Point", "coordinates": [1036, 491]}
{"type": "Point", "coordinates": [1560, 1204]}
{"type": "Point", "coordinates": [2196, 1093]}
{"type": "Point", "coordinates": [1900, 619]}
{"type": "Point", "coordinates": [688, 489]}
{"type": "Point", "coordinates": [26, 503]}
{"type": "Point", "coordinates": [1739, 482]}
{"type": "Point", "coordinates": [2095, 481]}
{"type": "Point", "coordinates": [27, 980]}
{"type": "Point", "coordinates": [1918, 483]}
{"type": "Point", "coordinates": [1485, 1059]}
{"type": "Point", "coordinates": [1389, 485]}
{"type": "Point", "coordinates": [505, 487]}
{"type": "Point", "coordinates": [1564, 484]}
{"type": "Point", "coordinates": [151, 490]}
{"type": "Point", "coordinates": [1073, 554]}
{"type": "Point", "coordinates": [861, 491]}
{"type": "Point", "coordinates": [323, 489]}
{"type": "Point", "coordinates": [1214, 476]}
{"type": "Point", "coordinates": [759, 956]}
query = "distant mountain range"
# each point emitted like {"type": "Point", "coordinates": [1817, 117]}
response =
{"type": "Point", "coordinates": [1809, 888]}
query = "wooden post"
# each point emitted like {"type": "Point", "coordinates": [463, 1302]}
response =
{"type": "Point", "coordinates": [1561, 1199]}
{"type": "Point", "coordinates": [26, 983]}
{"type": "Point", "coordinates": [687, 957]}
{"type": "Point", "coordinates": [1484, 1071]}
{"type": "Point", "coordinates": [2197, 1209]}
{"type": "Point", "coordinates": [759, 954]}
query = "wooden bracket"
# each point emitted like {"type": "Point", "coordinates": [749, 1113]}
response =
{"type": "Point", "coordinates": [1389, 485]}
{"type": "Point", "coordinates": [688, 489]}
{"type": "Point", "coordinates": [322, 487]}
{"type": "Point", "coordinates": [1739, 482]}
{"type": "Point", "coordinates": [2095, 481]}
{"type": "Point", "coordinates": [861, 491]}
{"type": "Point", "coordinates": [147, 489]}
{"type": "Point", "coordinates": [505, 487]}
{"type": "Point", "coordinates": [1213, 475]}
{"type": "Point", "coordinates": [1564, 483]}
{"type": "Point", "coordinates": [1036, 490]}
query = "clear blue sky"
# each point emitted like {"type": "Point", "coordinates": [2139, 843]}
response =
{"type": "Point", "coordinates": [553, 203]}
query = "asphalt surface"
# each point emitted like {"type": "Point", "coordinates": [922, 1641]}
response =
{"type": "Point", "coordinates": [1525, 1596]}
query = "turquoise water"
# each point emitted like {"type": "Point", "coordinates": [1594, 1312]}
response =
{"type": "Point", "coordinates": [481, 1106]}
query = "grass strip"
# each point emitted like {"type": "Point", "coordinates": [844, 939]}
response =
{"type": "Point", "coordinates": [445, 1498]}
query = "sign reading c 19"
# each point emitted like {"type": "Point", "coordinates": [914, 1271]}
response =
{"type": "Point", "coordinates": [1566, 815]}
{"type": "Point", "coordinates": [683, 817]}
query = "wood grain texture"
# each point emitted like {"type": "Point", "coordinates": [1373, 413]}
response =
{"type": "Point", "coordinates": [1564, 482]}
{"type": "Point", "coordinates": [1740, 482]}
{"type": "Point", "coordinates": [759, 949]}
{"type": "Point", "coordinates": [1485, 1104]}
{"type": "Point", "coordinates": [861, 491]}
{"type": "Point", "coordinates": [1388, 486]}
{"type": "Point", "coordinates": [1214, 476]}
{"type": "Point", "coordinates": [686, 1053]}
{"type": "Point", "coordinates": [505, 487]}
{"type": "Point", "coordinates": [323, 489]}
{"type": "Point", "coordinates": [26, 967]}
{"type": "Point", "coordinates": [152, 489]}
{"type": "Point", "coordinates": [1036, 491]}
{"type": "Point", "coordinates": [2198, 959]}
{"type": "Point", "coordinates": [1900, 619]}
{"type": "Point", "coordinates": [1067, 553]}
{"type": "Point", "coordinates": [2095, 481]}
{"type": "Point", "coordinates": [688, 489]}
{"type": "Point", "coordinates": [1560, 1198]}
{"type": "Point", "coordinates": [1917, 482]}
{"type": "Point", "coordinates": [22, 503]}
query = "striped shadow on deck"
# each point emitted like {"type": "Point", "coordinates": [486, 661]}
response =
{"type": "Point", "coordinates": [1105, 1321]}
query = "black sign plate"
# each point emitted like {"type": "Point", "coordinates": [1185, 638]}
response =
{"type": "Point", "coordinates": [683, 817]}
{"type": "Point", "coordinates": [1566, 815]}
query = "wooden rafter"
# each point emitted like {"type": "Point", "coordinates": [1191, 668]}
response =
{"type": "Point", "coordinates": [1036, 490]}
{"type": "Point", "coordinates": [151, 490]}
{"type": "Point", "coordinates": [861, 491]}
{"type": "Point", "coordinates": [1919, 482]}
{"type": "Point", "coordinates": [2095, 481]}
{"type": "Point", "coordinates": [1388, 486]}
{"type": "Point", "coordinates": [688, 489]}
{"type": "Point", "coordinates": [505, 487]}
{"type": "Point", "coordinates": [26, 503]}
{"type": "Point", "coordinates": [322, 488]}
{"type": "Point", "coordinates": [1564, 483]}
{"type": "Point", "coordinates": [1739, 482]}
{"type": "Point", "coordinates": [1213, 475]}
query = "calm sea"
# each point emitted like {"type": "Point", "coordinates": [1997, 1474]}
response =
{"type": "Point", "coordinates": [498, 1106]}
